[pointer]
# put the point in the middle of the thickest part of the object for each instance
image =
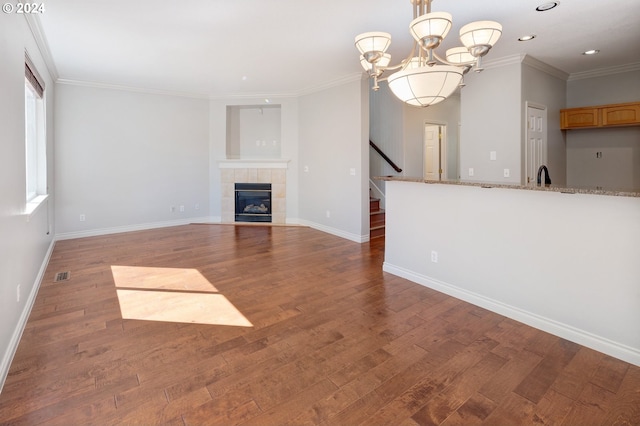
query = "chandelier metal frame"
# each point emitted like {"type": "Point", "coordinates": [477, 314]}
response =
{"type": "Point", "coordinates": [424, 78]}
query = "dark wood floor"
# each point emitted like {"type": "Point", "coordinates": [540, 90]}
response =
{"type": "Point", "coordinates": [333, 340]}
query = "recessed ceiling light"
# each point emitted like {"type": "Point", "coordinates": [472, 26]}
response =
{"type": "Point", "coordinates": [527, 37]}
{"type": "Point", "coordinates": [244, 78]}
{"type": "Point", "coordinates": [547, 6]}
{"type": "Point", "coordinates": [591, 52]}
{"type": "Point", "coordinates": [267, 101]}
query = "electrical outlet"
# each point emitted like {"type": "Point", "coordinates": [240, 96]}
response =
{"type": "Point", "coordinates": [181, 209]}
{"type": "Point", "coordinates": [306, 169]}
{"type": "Point", "coordinates": [197, 207]}
{"type": "Point", "coordinates": [507, 173]}
{"type": "Point", "coordinates": [172, 209]}
{"type": "Point", "coordinates": [434, 256]}
{"type": "Point", "coordinates": [470, 171]}
{"type": "Point", "coordinates": [82, 218]}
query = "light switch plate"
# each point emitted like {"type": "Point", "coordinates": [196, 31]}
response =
{"type": "Point", "coordinates": [492, 155]}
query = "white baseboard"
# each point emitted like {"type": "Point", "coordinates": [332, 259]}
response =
{"type": "Point", "coordinates": [337, 232]}
{"type": "Point", "coordinates": [9, 353]}
{"type": "Point", "coordinates": [130, 228]}
{"type": "Point", "coordinates": [582, 337]}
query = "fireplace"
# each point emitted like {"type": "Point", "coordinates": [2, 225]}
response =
{"type": "Point", "coordinates": [253, 202]}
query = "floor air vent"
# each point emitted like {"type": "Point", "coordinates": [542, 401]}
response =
{"type": "Point", "coordinates": [62, 276]}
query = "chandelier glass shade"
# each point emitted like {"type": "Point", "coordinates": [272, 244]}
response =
{"type": "Point", "coordinates": [430, 29]}
{"type": "Point", "coordinates": [372, 45]}
{"type": "Point", "coordinates": [481, 33]}
{"type": "Point", "coordinates": [425, 85]}
{"type": "Point", "coordinates": [459, 55]}
{"type": "Point", "coordinates": [424, 78]}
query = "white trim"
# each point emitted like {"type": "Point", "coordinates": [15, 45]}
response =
{"type": "Point", "coordinates": [559, 329]}
{"type": "Point", "coordinates": [255, 163]}
{"type": "Point", "coordinates": [130, 228]}
{"type": "Point", "coordinates": [130, 89]}
{"type": "Point", "coordinates": [33, 21]}
{"type": "Point", "coordinates": [332, 83]}
{"type": "Point", "coordinates": [7, 356]}
{"type": "Point", "coordinates": [210, 96]}
{"type": "Point", "coordinates": [501, 62]}
{"type": "Point", "coordinates": [544, 67]}
{"type": "Point", "coordinates": [601, 72]}
{"type": "Point", "coordinates": [32, 206]}
{"type": "Point", "coordinates": [334, 231]}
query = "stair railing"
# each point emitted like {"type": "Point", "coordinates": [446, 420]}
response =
{"type": "Point", "coordinates": [384, 156]}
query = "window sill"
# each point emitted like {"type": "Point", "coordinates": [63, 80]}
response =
{"type": "Point", "coordinates": [33, 205]}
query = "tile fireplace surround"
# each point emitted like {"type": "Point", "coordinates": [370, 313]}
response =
{"type": "Point", "coordinates": [254, 171]}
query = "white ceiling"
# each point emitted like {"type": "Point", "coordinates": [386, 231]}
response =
{"type": "Point", "coordinates": [270, 47]}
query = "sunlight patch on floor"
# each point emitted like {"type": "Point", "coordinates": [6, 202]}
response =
{"type": "Point", "coordinates": [173, 295]}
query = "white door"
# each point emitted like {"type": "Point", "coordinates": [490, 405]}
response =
{"type": "Point", "coordinates": [434, 150]}
{"type": "Point", "coordinates": [536, 149]}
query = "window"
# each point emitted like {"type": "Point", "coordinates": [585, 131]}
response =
{"type": "Point", "coordinates": [35, 137]}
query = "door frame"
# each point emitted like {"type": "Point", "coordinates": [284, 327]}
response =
{"type": "Point", "coordinates": [525, 157]}
{"type": "Point", "coordinates": [443, 148]}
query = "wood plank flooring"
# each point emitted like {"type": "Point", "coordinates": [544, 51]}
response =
{"type": "Point", "coordinates": [304, 329]}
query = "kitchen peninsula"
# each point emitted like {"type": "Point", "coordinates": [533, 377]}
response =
{"type": "Point", "coordinates": [563, 260]}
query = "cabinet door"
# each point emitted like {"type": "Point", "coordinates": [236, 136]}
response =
{"type": "Point", "coordinates": [579, 117]}
{"type": "Point", "coordinates": [621, 115]}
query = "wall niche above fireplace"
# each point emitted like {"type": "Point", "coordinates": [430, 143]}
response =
{"type": "Point", "coordinates": [253, 132]}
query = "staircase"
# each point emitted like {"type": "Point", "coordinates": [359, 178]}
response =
{"type": "Point", "coordinates": [376, 219]}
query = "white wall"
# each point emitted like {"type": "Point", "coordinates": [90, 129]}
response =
{"type": "Point", "coordinates": [619, 166]}
{"type": "Point", "coordinates": [123, 158]}
{"type": "Point", "coordinates": [253, 131]}
{"type": "Point", "coordinates": [25, 241]}
{"type": "Point", "coordinates": [333, 140]}
{"type": "Point", "coordinates": [564, 263]}
{"type": "Point", "coordinates": [613, 88]}
{"type": "Point", "coordinates": [491, 117]}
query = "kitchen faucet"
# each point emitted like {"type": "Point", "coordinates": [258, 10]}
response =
{"type": "Point", "coordinates": [547, 179]}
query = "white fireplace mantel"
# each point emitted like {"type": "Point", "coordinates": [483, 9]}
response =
{"type": "Point", "coordinates": [254, 163]}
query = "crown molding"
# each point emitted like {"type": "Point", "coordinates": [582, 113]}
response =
{"type": "Point", "coordinates": [544, 67]}
{"type": "Point", "coordinates": [306, 91]}
{"type": "Point", "coordinates": [253, 96]}
{"type": "Point", "coordinates": [524, 59]}
{"type": "Point", "coordinates": [331, 83]}
{"type": "Point", "coordinates": [33, 22]}
{"type": "Point", "coordinates": [501, 62]}
{"type": "Point", "coordinates": [130, 89]}
{"type": "Point", "coordinates": [601, 72]}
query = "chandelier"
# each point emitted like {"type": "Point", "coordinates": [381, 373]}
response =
{"type": "Point", "coordinates": [424, 78]}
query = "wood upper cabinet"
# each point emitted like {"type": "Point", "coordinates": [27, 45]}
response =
{"type": "Point", "coordinates": [578, 118]}
{"type": "Point", "coordinates": [620, 115]}
{"type": "Point", "coordinates": [601, 116]}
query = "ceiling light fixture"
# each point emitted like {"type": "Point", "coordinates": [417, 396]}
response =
{"type": "Point", "coordinates": [424, 78]}
{"type": "Point", "coordinates": [591, 52]}
{"type": "Point", "coordinates": [547, 6]}
{"type": "Point", "coordinates": [527, 37]}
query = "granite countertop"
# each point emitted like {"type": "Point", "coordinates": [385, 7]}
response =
{"type": "Point", "coordinates": [551, 188]}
